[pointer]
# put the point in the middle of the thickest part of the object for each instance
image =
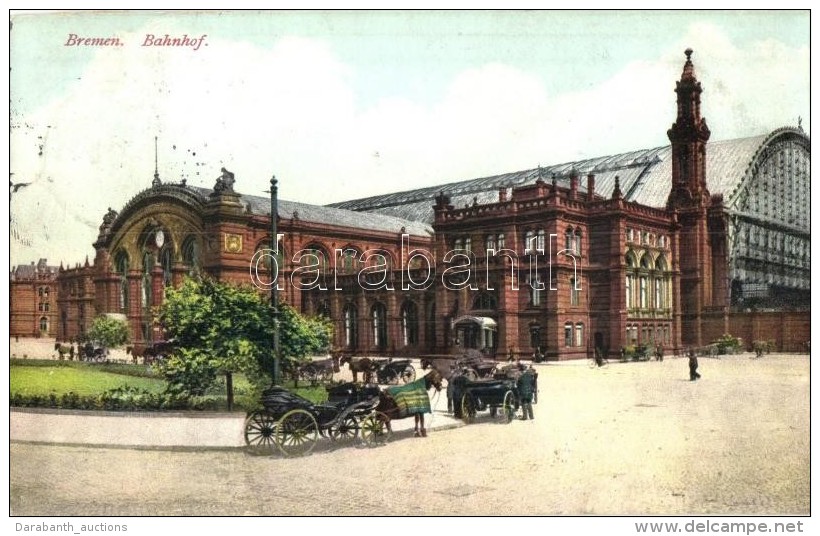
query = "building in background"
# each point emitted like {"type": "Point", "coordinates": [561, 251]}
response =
{"type": "Point", "coordinates": [33, 300]}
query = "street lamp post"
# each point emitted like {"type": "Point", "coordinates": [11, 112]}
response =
{"type": "Point", "coordinates": [274, 211]}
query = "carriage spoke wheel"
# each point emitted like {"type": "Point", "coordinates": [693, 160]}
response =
{"type": "Point", "coordinates": [296, 433]}
{"type": "Point", "coordinates": [375, 430]}
{"type": "Point", "coordinates": [468, 409]}
{"type": "Point", "coordinates": [260, 431]}
{"type": "Point", "coordinates": [506, 412]}
{"type": "Point", "coordinates": [345, 430]}
{"type": "Point", "coordinates": [408, 374]}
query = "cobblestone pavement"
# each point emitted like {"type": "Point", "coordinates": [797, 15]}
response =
{"type": "Point", "coordinates": [634, 439]}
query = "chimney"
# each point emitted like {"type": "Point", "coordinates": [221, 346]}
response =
{"type": "Point", "coordinates": [573, 184]}
{"type": "Point", "coordinates": [502, 194]}
{"type": "Point", "coordinates": [590, 186]}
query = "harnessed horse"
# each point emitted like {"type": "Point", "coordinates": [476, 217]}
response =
{"type": "Point", "coordinates": [365, 365]}
{"type": "Point", "coordinates": [63, 350]}
{"type": "Point", "coordinates": [389, 407]}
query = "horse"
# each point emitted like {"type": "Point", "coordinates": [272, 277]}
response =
{"type": "Point", "coordinates": [94, 353]}
{"type": "Point", "coordinates": [365, 365]}
{"type": "Point", "coordinates": [63, 350]}
{"type": "Point", "coordinates": [151, 353]}
{"type": "Point", "coordinates": [410, 399]}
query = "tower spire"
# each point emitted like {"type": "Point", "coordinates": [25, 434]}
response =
{"type": "Point", "coordinates": [156, 182]}
{"type": "Point", "coordinates": [689, 135]}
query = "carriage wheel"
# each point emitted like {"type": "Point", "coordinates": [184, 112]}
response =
{"type": "Point", "coordinates": [345, 430]}
{"type": "Point", "coordinates": [408, 374]}
{"type": "Point", "coordinates": [260, 431]}
{"type": "Point", "coordinates": [468, 409]}
{"type": "Point", "coordinates": [375, 430]}
{"type": "Point", "coordinates": [506, 412]}
{"type": "Point", "coordinates": [296, 433]}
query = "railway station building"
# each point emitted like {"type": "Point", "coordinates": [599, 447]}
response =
{"type": "Point", "coordinates": [670, 246]}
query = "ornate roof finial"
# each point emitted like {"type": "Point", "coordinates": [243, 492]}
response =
{"type": "Point", "coordinates": [688, 68]}
{"type": "Point", "coordinates": [616, 191]}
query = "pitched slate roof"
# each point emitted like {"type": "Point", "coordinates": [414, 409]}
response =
{"type": "Point", "coordinates": [329, 215]}
{"type": "Point", "coordinates": [645, 178]}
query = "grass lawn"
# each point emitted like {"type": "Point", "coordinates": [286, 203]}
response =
{"type": "Point", "coordinates": [43, 377]}
{"type": "Point", "coordinates": [83, 381]}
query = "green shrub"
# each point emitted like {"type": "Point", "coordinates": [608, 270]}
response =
{"type": "Point", "coordinates": [728, 344]}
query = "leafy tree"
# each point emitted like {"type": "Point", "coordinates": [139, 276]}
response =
{"type": "Point", "coordinates": [220, 328]}
{"type": "Point", "coordinates": [109, 332]}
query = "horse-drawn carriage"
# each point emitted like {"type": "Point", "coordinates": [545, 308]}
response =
{"type": "Point", "coordinates": [391, 371]}
{"type": "Point", "coordinates": [293, 424]}
{"type": "Point", "coordinates": [472, 364]}
{"type": "Point", "coordinates": [316, 371]}
{"type": "Point", "coordinates": [151, 352]}
{"type": "Point", "coordinates": [499, 394]}
{"type": "Point", "coordinates": [472, 396]}
{"type": "Point", "coordinates": [385, 371]}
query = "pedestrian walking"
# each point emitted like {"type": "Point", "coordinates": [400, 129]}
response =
{"type": "Point", "coordinates": [693, 366]}
{"type": "Point", "coordinates": [526, 389]}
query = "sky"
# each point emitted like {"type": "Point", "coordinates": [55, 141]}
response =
{"type": "Point", "coordinates": [347, 104]}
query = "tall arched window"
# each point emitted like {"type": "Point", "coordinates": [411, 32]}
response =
{"type": "Point", "coordinates": [410, 323]}
{"type": "Point", "coordinates": [569, 239]}
{"type": "Point", "coordinates": [529, 242]}
{"type": "Point", "coordinates": [351, 326]}
{"type": "Point", "coordinates": [190, 255]}
{"type": "Point", "coordinates": [379, 314]}
{"type": "Point", "coordinates": [577, 246]}
{"type": "Point", "coordinates": [315, 255]}
{"type": "Point", "coordinates": [350, 260]}
{"type": "Point", "coordinates": [490, 242]}
{"type": "Point", "coordinates": [568, 334]}
{"type": "Point", "coordinates": [540, 240]}
{"type": "Point", "coordinates": [579, 334]}
{"type": "Point", "coordinates": [121, 268]}
{"type": "Point", "coordinates": [500, 241]}
{"type": "Point", "coordinates": [166, 262]}
{"type": "Point", "coordinates": [43, 324]}
{"type": "Point", "coordinates": [574, 293]}
{"type": "Point", "coordinates": [147, 265]}
{"type": "Point", "coordinates": [643, 293]}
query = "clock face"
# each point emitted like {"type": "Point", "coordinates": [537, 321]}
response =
{"type": "Point", "coordinates": [159, 238]}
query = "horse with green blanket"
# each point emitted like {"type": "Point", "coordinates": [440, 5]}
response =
{"type": "Point", "coordinates": [411, 399]}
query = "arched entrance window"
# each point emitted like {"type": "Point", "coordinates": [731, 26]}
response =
{"type": "Point", "coordinates": [379, 314]}
{"type": "Point", "coordinates": [43, 324]}
{"type": "Point", "coordinates": [410, 324]}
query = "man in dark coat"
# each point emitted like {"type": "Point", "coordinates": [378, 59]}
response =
{"type": "Point", "coordinates": [693, 366]}
{"type": "Point", "coordinates": [526, 389]}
